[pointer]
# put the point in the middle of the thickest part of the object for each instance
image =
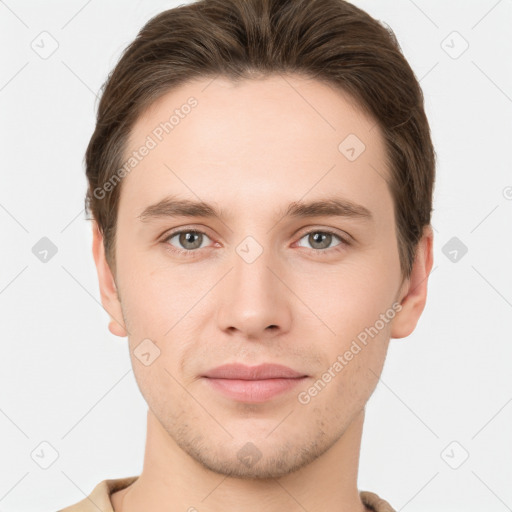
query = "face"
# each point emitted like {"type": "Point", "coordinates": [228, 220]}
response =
{"type": "Point", "coordinates": [294, 262]}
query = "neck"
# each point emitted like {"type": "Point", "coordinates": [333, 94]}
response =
{"type": "Point", "coordinates": [172, 480]}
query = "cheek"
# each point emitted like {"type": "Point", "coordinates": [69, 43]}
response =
{"type": "Point", "coordinates": [350, 297]}
{"type": "Point", "coordinates": [160, 306]}
{"type": "Point", "coordinates": [156, 300]}
{"type": "Point", "coordinates": [157, 383]}
{"type": "Point", "coordinates": [357, 308]}
{"type": "Point", "coordinates": [353, 362]}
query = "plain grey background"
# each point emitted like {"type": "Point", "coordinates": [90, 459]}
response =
{"type": "Point", "coordinates": [438, 430]}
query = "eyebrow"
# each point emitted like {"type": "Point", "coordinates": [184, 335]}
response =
{"type": "Point", "coordinates": [172, 206]}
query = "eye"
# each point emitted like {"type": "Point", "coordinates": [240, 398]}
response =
{"type": "Point", "coordinates": [321, 240]}
{"type": "Point", "coordinates": [188, 240]}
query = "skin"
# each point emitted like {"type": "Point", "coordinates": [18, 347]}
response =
{"type": "Point", "coordinates": [252, 148]}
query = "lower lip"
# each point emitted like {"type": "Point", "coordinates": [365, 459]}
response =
{"type": "Point", "coordinates": [253, 391]}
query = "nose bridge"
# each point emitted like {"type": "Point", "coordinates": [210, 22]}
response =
{"type": "Point", "coordinates": [252, 297]}
{"type": "Point", "coordinates": [251, 270]}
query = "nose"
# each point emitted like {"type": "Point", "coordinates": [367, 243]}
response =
{"type": "Point", "coordinates": [253, 301]}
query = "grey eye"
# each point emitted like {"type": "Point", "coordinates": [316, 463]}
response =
{"type": "Point", "coordinates": [188, 239]}
{"type": "Point", "coordinates": [320, 239]}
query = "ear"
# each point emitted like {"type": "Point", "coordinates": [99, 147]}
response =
{"type": "Point", "coordinates": [108, 290]}
{"type": "Point", "coordinates": [413, 293]}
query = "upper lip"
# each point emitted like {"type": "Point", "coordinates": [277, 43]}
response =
{"type": "Point", "coordinates": [260, 372]}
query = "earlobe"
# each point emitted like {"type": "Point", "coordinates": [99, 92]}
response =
{"type": "Point", "coordinates": [118, 330]}
{"type": "Point", "coordinates": [414, 292]}
{"type": "Point", "coordinates": [108, 289]}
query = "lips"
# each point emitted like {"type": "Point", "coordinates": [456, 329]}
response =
{"type": "Point", "coordinates": [253, 384]}
{"type": "Point", "coordinates": [261, 372]}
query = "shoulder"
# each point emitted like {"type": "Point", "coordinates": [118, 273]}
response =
{"type": "Point", "coordinates": [99, 498]}
{"type": "Point", "coordinates": [374, 502]}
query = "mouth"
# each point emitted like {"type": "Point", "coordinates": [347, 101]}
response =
{"type": "Point", "coordinates": [253, 384]}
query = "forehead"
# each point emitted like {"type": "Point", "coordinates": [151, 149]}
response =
{"type": "Point", "coordinates": [220, 139]}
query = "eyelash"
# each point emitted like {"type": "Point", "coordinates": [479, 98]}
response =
{"type": "Point", "coordinates": [193, 253]}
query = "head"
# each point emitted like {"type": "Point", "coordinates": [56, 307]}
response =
{"type": "Point", "coordinates": [298, 129]}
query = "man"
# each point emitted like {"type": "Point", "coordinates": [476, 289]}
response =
{"type": "Point", "coordinates": [260, 183]}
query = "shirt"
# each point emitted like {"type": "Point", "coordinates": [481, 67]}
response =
{"type": "Point", "coordinates": [99, 499]}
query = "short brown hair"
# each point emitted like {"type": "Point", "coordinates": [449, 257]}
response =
{"type": "Point", "coordinates": [329, 40]}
